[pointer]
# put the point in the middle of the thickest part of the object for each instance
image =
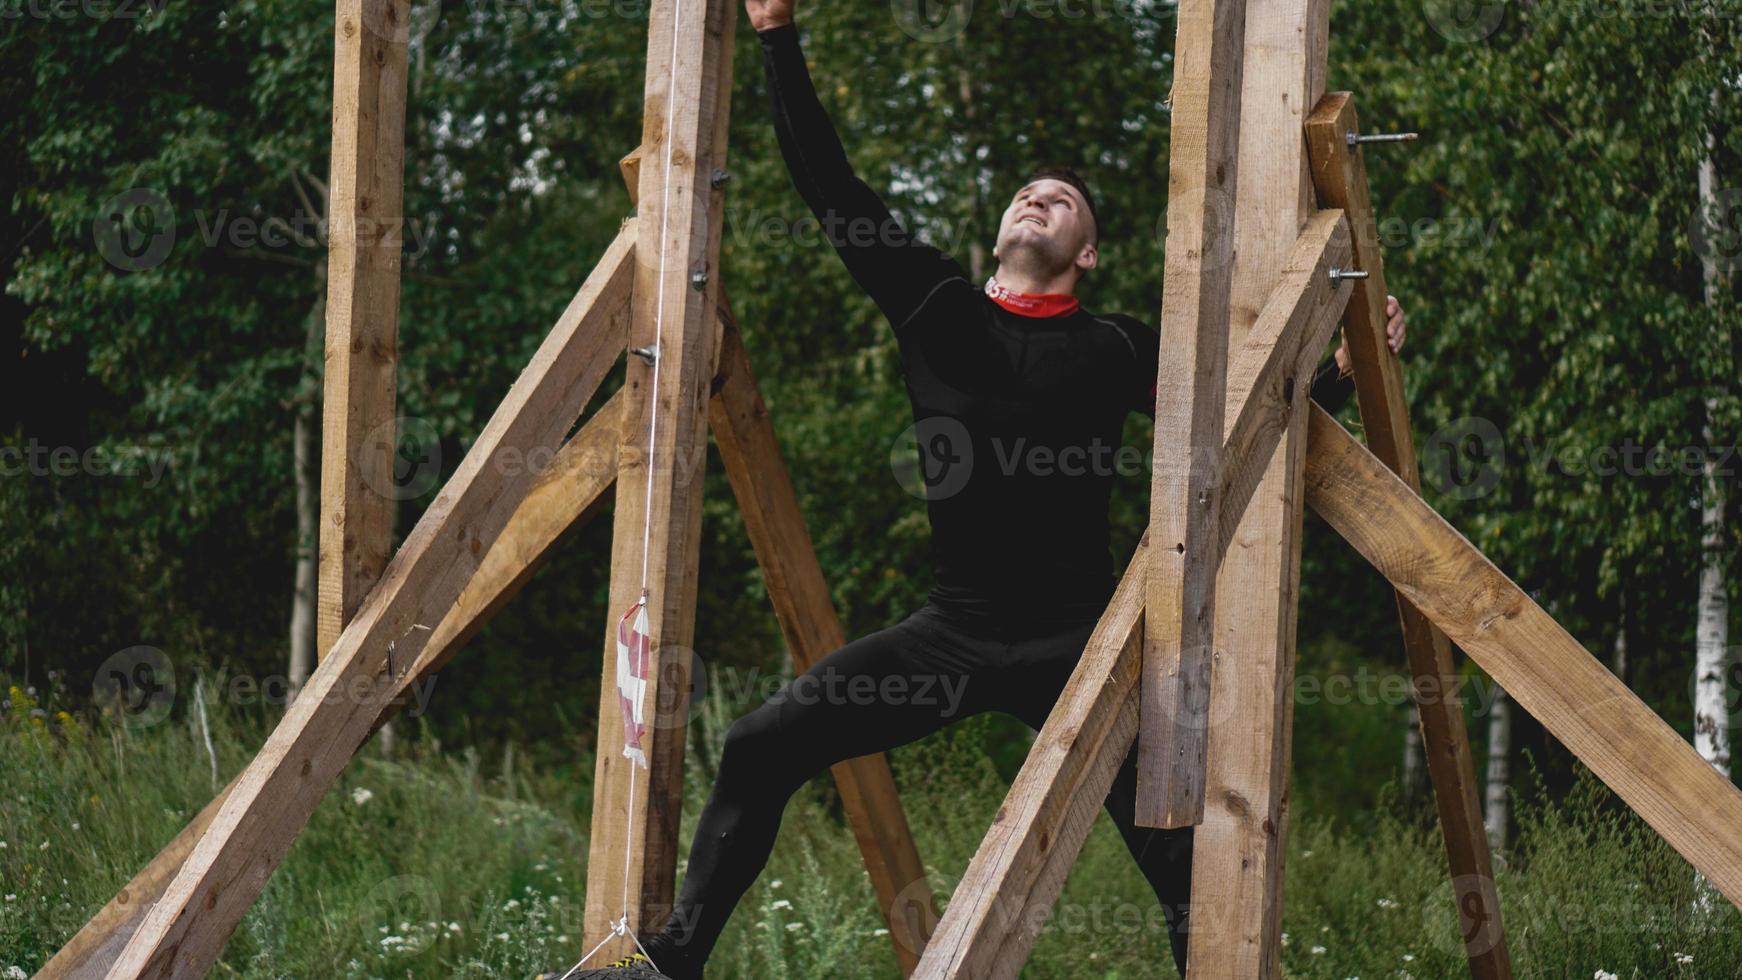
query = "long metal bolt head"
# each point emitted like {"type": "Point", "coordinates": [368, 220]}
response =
{"type": "Point", "coordinates": [1355, 139]}
{"type": "Point", "coordinates": [1338, 275]}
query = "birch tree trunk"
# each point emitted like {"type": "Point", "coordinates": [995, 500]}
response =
{"type": "Point", "coordinates": [1412, 760]}
{"type": "Point", "coordinates": [1712, 629]}
{"type": "Point", "coordinates": [306, 462]}
{"type": "Point", "coordinates": [1618, 656]}
{"type": "Point", "coordinates": [1497, 812]}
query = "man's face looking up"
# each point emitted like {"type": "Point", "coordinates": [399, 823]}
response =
{"type": "Point", "coordinates": [1050, 221]}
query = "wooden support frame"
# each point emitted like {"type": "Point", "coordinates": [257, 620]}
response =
{"type": "Point", "coordinates": [1240, 493]}
{"type": "Point", "coordinates": [568, 493]}
{"type": "Point", "coordinates": [1238, 852]}
{"type": "Point", "coordinates": [1190, 390]}
{"type": "Point", "coordinates": [1340, 177]}
{"type": "Point", "coordinates": [1020, 867]}
{"type": "Point", "coordinates": [632, 858]}
{"type": "Point", "coordinates": [365, 237]}
{"type": "Point", "coordinates": [275, 794]}
{"type": "Point", "coordinates": [1551, 674]}
{"type": "Point", "coordinates": [1276, 359]}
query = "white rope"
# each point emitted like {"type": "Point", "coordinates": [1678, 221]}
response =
{"type": "Point", "coordinates": [621, 926]}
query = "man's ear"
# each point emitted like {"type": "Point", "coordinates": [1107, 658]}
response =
{"type": "Point", "coordinates": [1088, 257]}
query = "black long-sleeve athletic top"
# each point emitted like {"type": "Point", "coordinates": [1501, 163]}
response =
{"type": "Point", "coordinates": [1017, 418]}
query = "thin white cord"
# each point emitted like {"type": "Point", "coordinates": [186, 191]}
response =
{"type": "Point", "coordinates": [621, 926]}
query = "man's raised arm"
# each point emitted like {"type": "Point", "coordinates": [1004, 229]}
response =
{"type": "Point", "coordinates": [897, 272]}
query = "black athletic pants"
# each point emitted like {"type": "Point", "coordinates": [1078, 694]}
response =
{"type": "Point", "coordinates": [882, 690]}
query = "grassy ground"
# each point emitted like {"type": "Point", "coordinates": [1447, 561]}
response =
{"type": "Point", "coordinates": [442, 864]}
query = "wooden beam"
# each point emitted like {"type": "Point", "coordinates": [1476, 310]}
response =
{"type": "Point", "coordinates": [1552, 675]}
{"type": "Point", "coordinates": [806, 612]}
{"type": "Point", "coordinates": [187, 929]}
{"type": "Point", "coordinates": [1276, 362]}
{"type": "Point", "coordinates": [568, 492]}
{"type": "Point", "coordinates": [365, 235]}
{"type": "Point", "coordinates": [574, 484]}
{"type": "Point", "coordinates": [1190, 390]}
{"type": "Point", "coordinates": [1238, 850]}
{"type": "Point", "coordinates": [632, 861]}
{"type": "Point", "coordinates": [1340, 175]}
{"type": "Point", "coordinates": [1021, 865]}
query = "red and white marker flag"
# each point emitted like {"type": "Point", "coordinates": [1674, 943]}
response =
{"type": "Point", "coordinates": [634, 648]}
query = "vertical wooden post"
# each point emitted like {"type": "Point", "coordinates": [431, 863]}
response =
{"type": "Point", "coordinates": [1340, 175]}
{"type": "Point", "coordinates": [1190, 383]}
{"type": "Point", "coordinates": [365, 233]}
{"type": "Point", "coordinates": [657, 522]}
{"type": "Point", "coordinates": [1238, 850]}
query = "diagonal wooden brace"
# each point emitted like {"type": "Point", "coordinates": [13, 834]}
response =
{"type": "Point", "coordinates": [1276, 362]}
{"type": "Point", "coordinates": [1340, 175]}
{"type": "Point", "coordinates": [272, 799]}
{"type": "Point", "coordinates": [1020, 867]}
{"type": "Point", "coordinates": [1551, 674]}
{"type": "Point", "coordinates": [568, 493]}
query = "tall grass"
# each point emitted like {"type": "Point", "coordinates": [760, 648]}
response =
{"type": "Point", "coordinates": [450, 864]}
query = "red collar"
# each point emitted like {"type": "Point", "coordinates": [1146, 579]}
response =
{"type": "Point", "coordinates": [1030, 304]}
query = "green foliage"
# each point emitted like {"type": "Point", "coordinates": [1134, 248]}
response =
{"type": "Point", "coordinates": [450, 864]}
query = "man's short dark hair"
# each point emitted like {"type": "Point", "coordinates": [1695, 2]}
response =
{"type": "Point", "coordinates": [1070, 177]}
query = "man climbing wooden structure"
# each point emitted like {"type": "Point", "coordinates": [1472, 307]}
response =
{"type": "Point", "coordinates": [1193, 656]}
